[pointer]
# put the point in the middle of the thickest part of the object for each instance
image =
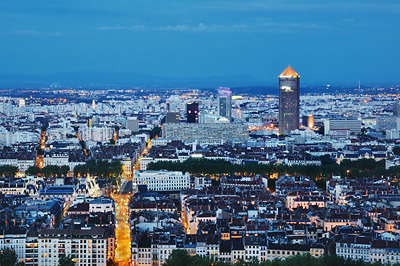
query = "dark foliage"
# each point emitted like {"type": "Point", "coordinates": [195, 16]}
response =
{"type": "Point", "coordinates": [180, 257]}
{"type": "Point", "coordinates": [8, 170]}
{"type": "Point", "coordinates": [8, 257]}
{"type": "Point", "coordinates": [357, 169]}
{"type": "Point", "coordinates": [101, 168]}
{"type": "Point", "coordinates": [66, 261]}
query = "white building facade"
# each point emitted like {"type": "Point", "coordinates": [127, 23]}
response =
{"type": "Point", "coordinates": [162, 180]}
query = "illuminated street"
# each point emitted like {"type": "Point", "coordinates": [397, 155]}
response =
{"type": "Point", "coordinates": [39, 157]}
{"type": "Point", "coordinates": [122, 230]}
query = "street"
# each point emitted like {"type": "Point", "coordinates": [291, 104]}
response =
{"type": "Point", "coordinates": [122, 227]}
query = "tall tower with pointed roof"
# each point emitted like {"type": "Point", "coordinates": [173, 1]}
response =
{"type": "Point", "coordinates": [289, 99]}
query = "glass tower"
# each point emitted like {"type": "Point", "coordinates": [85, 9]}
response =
{"type": "Point", "coordinates": [192, 112]}
{"type": "Point", "coordinates": [289, 98]}
{"type": "Point", "coordinates": [225, 102]}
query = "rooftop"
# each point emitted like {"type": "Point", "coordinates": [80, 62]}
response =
{"type": "Point", "coordinates": [289, 72]}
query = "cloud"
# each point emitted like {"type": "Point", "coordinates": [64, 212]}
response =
{"type": "Point", "coordinates": [258, 26]}
{"type": "Point", "coordinates": [38, 33]}
{"type": "Point", "coordinates": [179, 27]}
{"type": "Point", "coordinates": [185, 27]}
{"type": "Point", "coordinates": [248, 27]}
{"type": "Point", "coordinates": [121, 28]}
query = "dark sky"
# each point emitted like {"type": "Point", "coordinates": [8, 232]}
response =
{"type": "Point", "coordinates": [341, 41]}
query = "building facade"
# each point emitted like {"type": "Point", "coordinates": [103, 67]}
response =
{"type": "Point", "coordinates": [206, 133]}
{"type": "Point", "coordinates": [162, 180]}
{"type": "Point", "coordinates": [132, 123]}
{"type": "Point", "coordinates": [173, 117]}
{"type": "Point", "coordinates": [86, 246]}
{"type": "Point", "coordinates": [338, 126]}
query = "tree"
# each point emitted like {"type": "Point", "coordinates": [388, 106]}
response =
{"type": "Point", "coordinates": [80, 170]}
{"type": "Point", "coordinates": [8, 257]}
{"type": "Point", "coordinates": [51, 170]}
{"type": "Point", "coordinates": [111, 262]}
{"type": "Point", "coordinates": [154, 132]}
{"type": "Point", "coordinates": [64, 170]}
{"type": "Point", "coordinates": [182, 258]}
{"type": "Point", "coordinates": [33, 170]}
{"type": "Point", "coordinates": [101, 168]}
{"type": "Point", "coordinates": [8, 170]}
{"type": "Point", "coordinates": [179, 257]}
{"type": "Point", "coordinates": [66, 261]}
{"type": "Point", "coordinates": [396, 150]}
{"type": "Point", "coordinates": [321, 130]}
{"type": "Point", "coordinates": [327, 160]}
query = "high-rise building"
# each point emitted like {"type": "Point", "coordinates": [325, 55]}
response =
{"type": "Point", "coordinates": [192, 112]}
{"type": "Point", "coordinates": [289, 98]}
{"type": "Point", "coordinates": [225, 102]}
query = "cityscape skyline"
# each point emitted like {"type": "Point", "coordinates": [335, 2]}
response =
{"type": "Point", "coordinates": [160, 133]}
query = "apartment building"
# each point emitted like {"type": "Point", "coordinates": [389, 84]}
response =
{"type": "Point", "coordinates": [162, 180]}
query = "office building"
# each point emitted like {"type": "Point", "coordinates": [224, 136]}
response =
{"type": "Point", "coordinates": [225, 102]}
{"type": "Point", "coordinates": [384, 123]}
{"type": "Point", "coordinates": [132, 123]}
{"type": "Point", "coordinates": [173, 117]}
{"type": "Point", "coordinates": [289, 98]}
{"type": "Point", "coordinates": [192, 112]}
{"type": "Point", "coordinates": [342, 127]}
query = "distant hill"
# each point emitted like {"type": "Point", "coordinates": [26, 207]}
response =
{"type": "Point", "coordinates": [238, 83]}
{"type": "Point", "coordinates": [101, 79]}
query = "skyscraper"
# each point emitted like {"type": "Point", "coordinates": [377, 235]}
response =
{"type": "Point", "coordinates": [192, 112]}
{"type": "Point", "coordinates": [289, 98]}
{"type": "Point", "coordinates": [225, 102]}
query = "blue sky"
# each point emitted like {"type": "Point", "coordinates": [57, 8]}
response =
{"type": "Point", "coordinates": [340, 41]}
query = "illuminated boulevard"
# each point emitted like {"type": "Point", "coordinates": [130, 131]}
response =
{"type": "Point", "coordinates": [42, 146]}
{"type": "Point", "coordinates": [122, 227]}
{"type": "Point", "coordinates": [122, 230]}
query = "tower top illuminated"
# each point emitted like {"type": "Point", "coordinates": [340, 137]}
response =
{"type": "Point", "coordinates": [289, 72]}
